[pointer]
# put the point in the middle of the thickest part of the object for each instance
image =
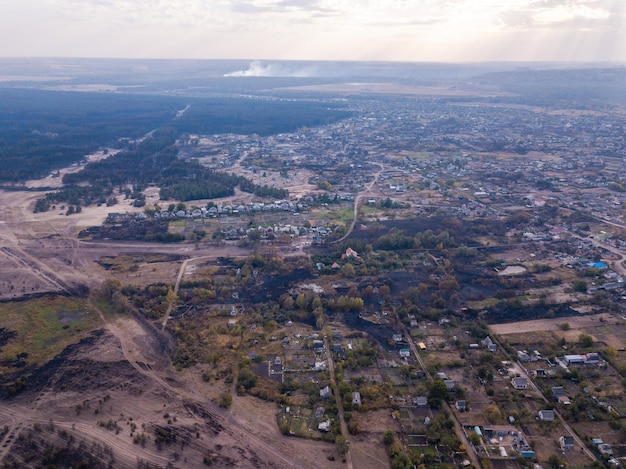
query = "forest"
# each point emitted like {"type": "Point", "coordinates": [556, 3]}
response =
{"type": "Point", "coordinates": [153, 161]}
{"type": "Point", "coordinates": [42, 131]}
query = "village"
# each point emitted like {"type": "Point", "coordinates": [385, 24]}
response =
{"type": "Point", "coordinates": [441, 286]}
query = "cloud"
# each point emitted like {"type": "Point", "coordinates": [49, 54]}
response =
{"type": "Point", "coordinates": [314, 29]}
{"type": "Point", "coordinates": [576, 14]}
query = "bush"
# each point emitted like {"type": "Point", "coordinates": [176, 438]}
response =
{"type": "Point", "coordinates": [225, 400]}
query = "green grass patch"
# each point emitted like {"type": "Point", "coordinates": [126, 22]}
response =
{"type": "Point", "coordinates": [369, 210]}
{"type": "Point", "coordinates": [418, 156]}
{"type": "Point", "coordinates": [297, 426]}
{"type": "Point", "coordinates": [178, 224]}
{"type": "Point", "coordinates": [343, 215]}
{"type": "Point", "coordinates": [486, 303]}
{"type": "Point", "coordinates": [43, 327]}
{"type": "Point", "coordinates": [424, 450]}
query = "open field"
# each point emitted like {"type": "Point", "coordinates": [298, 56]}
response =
{"type": "Point", "coordinates": [575, 322]}
{"type": "Point", "coordinates": [106, 391]}
{"type": "Point", "coordinates": [42, 328]}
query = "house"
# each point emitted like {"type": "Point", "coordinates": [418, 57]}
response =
{"type": "Point", "coordinates": [325, 392]}
{"type": "Point", "coordinates": [276, 366]}
{"type": "Point", "coordinates": [558, 394]}
{"type": "Point", "coordinates": [318, 346]}
{"type": "Point", "coordinates": [449, 384]}
{"type": "Point", "coordinates": [324, 426]}
{"type": "Point", "coordinates": [566, 442]}
{"type": "Point", "coordinates": [397, 338]}
{"type": "Point", "coordinates": [421, 401]}
{"type": "Point", "coordinates": [546, 415]}
{"type": "Point", "coordinates": [606, 450]}
{"type": "Point", "coordinates": [558, 391]}
{"type": "Point", "coordinates": [519, 382]}
{"type": "Point", "coordinates": [565, 400]}
{"type": "Point", "coordinates": [487, 342]}
{"type": "Point", "coordinates": [405, 353]}
{"type": "Point", "coordinates": [356, 398]}
{"type": "Point", "coordinates": [574, 359]}
{"type": "Point", "coordinates": [350, 253]}
{"type": "Point", "coordinates": [460, 405]}
{"type": "Point", "coordinates": [337, 348]}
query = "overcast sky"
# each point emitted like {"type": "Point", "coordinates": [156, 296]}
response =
{"type": "Point", "coordinates": [395, 30]}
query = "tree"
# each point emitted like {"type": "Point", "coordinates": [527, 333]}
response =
{"type": "Point", "coordinates": [610, 353]}
{"type": "Point", "coordinates": [225, 400]}
{"type": "Point", "coordinates": [448, 285]}
{"type": "Point", "coordinates": [585, 340]}
{"type": "Point", "coordinates": [555, 462]}
{"type": "Point", "coordinates": [492, 414]}
{"type": "Point", "coordinates": [246, 379]}
{"type": "Point", "coordinates": [171, 298]}
{"type": "Point", "coordinates": [388, 437]}
{"type": "Point", "coordinates": [438, 390]}
{"type": "Point", "coordinates": [342, 444]}
{"type": "Point", "coordinates": [474, 438]}
{"type": "Point", "coordinates": [348, 271]}
{"type": "Point", "coordinates": [286, 301]}
{"type": "Point", "coordinates": [301, 301]}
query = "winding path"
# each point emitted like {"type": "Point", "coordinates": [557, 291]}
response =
{"type": "Point", "coordinates": [357, 200]}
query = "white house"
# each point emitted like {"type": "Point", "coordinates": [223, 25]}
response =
{"type": "Point", "coordinates": [519, 382]}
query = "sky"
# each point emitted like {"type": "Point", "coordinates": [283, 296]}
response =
{"type": "Point", "coordinates": [381, 30]}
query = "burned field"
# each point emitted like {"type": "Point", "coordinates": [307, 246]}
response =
{"type": "Point", "coordinates": [95, 405]}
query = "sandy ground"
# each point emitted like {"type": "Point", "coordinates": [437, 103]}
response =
{"type": "Point", "coordinates": [575, 322]}
{"type": "Point", "coordinates": [366, 448]}
{"type": "Point", "coordinates": [95, 385]}
{"type": "Point", "coordinates": [259, 416]}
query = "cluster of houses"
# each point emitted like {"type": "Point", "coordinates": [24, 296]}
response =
{"type": "Point", "coordinates": [509, 441]}
{"type": "Point", "coordinates": [587, 359]}
{"type": "Point", "coordinates": [226, 210]}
